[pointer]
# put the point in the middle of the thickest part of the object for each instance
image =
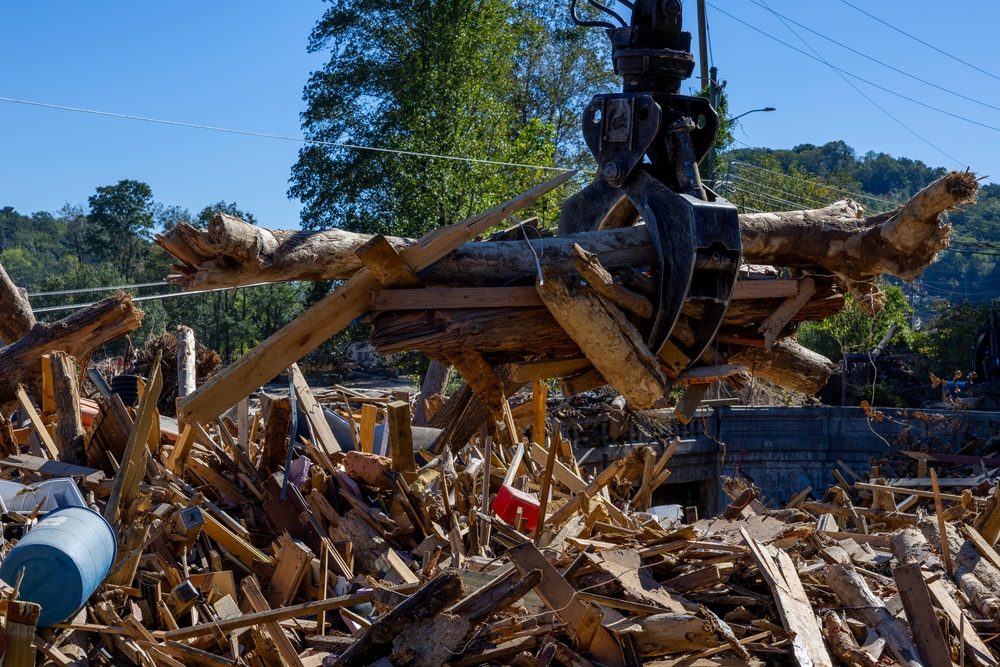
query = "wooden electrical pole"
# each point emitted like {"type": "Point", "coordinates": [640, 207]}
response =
{"type": "Point", "coordinates": [703, 44]}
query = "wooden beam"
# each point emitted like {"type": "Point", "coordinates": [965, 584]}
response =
{"type": "Point", "coordinates": [444, 298]}
{"type": "Point", "coordinates": [49, 445]}
{"type": "Point", "coordinates": [531, 371]}
{"type": "Point", "coordinates": [920, 615]}
{"type": "Point", "coordinates": [133, 463]}
{"type": "Point", "coordinates": [19, 630]}
{"type": "Point", "coordinates": [777, 321]}
{"type": "Point", "coordinates": [335, 311]}
{"type": "Point", "coordinates": [369, 413]}
{"type": "Point", "coordinates": [386, 265]}
{"type": "Point", "coordinates": [794, 608]}
{"type": "Point", "coordinates": [562, 600]}
{"type": "Point", "coordinates": [259, 604]}
{"type": "Point", "coordinates": [400, 437]}
{"type": "Point", "coordinates": [314, 415]}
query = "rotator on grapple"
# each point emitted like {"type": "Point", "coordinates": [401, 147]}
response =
{"type": "Point", "coordinates": [647, 141]}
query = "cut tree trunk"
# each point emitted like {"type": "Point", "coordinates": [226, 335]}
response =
{"type": "Point", "coordinates": [77, 335]}
{"type": "Point", "coordinates": [606, 337]}
{"type": "Point", "coordinates": [16, 316]}
{"type": "Point", "coordinates": [833, 247]}
{"type": "Point", "coordinates": [435, 383]}
{"type": "Point", "coordinates": [69, 427]}
{"type": "Point", "coordinates": [901, 243]}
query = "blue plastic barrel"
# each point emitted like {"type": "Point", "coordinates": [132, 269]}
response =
{"type": "Point", "coordinates": [65, 558]}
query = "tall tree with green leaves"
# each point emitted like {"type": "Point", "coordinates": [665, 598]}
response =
{"type": "Point", "coordinates": [121, 225]}
{"type": "Point", "coordinates": [480, 79]}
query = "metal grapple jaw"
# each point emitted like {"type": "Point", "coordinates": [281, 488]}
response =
{"type": "Point", "coordinates": [648, 140]}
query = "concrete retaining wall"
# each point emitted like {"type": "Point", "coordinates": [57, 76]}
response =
{"type": "Point", "coordinates": [786, 449]}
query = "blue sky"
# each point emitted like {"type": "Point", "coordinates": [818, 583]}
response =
{"type": "Point", "coordinates": [243, 66]}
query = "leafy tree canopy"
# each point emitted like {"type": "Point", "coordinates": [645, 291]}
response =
{"type": "Point", "coordinates": [485, 79]}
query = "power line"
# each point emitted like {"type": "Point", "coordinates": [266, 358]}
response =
{"type": "Point", "coordinates": [876, 60]}
{"type": "Point", "coordinates": [842, 72]}
{"type": "Point", "coordinates": [99, 289]}
{"type": "Point", "coordinates": [155, 297]}
{"type": "Point", "coordinates": [917, 39]}
{"type": "Point", "coordinates": [810, 182]}
{"type": "Point", "coordinates": [805, 198]}
{"type": "Point", "coordinates": [265, 135]}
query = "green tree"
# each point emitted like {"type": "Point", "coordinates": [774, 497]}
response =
{"type": "Point", "coordinates": [851, 330]}
{"type": "Point", "coordinates": [121, 223]}
{"type": "Point", "coordinates": [945, 341]}
{"type": "Point", "coordinates": [483, 79]}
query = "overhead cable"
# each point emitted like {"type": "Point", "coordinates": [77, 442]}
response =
{"type": "Point", "coordinates": [844, 73]}
{"type": "Point", "coordinates": [917, 39]}
{"type": "Point", "coordinates": [265, 135]}
{"type": "Point", "coordinates": [880, 62]}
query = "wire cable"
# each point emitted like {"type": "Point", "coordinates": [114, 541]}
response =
{"type": "Point", "coordinates": [844, 74]}
{"type": "Point", "coordinates": [855, 195]}
{"type": "Point", "coordinates": [99, 289]}
{"type": "Point", "coordinates": [265, 135]}
{"type": "Point", "coordinates": [876, 60]}
{"type": "Point", "coordinates": [917, 39]}
{"type": "Point", "coordinates": [154, 297]}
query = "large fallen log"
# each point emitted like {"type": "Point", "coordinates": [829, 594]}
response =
{"type": "Point", "coordinates": [836, 238]}
{"type": "Point", "coordinates": [77, 335]}
{"type": "Point", "coordinates": [831, 250]}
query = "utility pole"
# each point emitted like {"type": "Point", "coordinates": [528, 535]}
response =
{"type": "Point", "coordinates": [715, 98]}
{"type": "Point", "coordinates": [703, 44]}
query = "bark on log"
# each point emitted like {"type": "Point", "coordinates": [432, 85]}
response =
{"type": "Point", "coordinates": [69, 427]}
{"type": "Point", "coordinates": [975, 576]}
{"type": "Point", "coordinates": [901, 243]}
{"type": "Point", "coordinates": [606, 337]}
{"type": "Point", "coordinates": [16, 316]}
{"type": "Point", "coordinates": [788, 365]}
{"type": "Point", "coordinates": [843, 644]}
{"type": "Point", "coordinates": [435, 382]}
{"type": "Point", "coordinates": [869, 608]}
{"type": "Point", "coordinates": [77, 335]}
{"type": "Point", "coordinates": [186, 357]}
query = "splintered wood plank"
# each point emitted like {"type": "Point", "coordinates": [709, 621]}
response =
{"type": "Point", "coordinates": [442, 298]}
{"type": "Point", "coordinates": [975, 648]}
{"type": "Point", "coordinates": [560, 597]}
{"type": "Point", "coordinates": [181, 450]}
{"type": "Point", "coordinates": [921, 617]}
{"type": "Point", "coordinates": [400, 437]}
{"type": "Point", "coordinates": [236, 546]}
{"type": "Point", "coordinates": [294, 560]}
{"type": "Point", "coordinates": [48, 469]}
{"type": "Point", "coordinates": [367, 437]}
{"type": "Point", "coordinates": [335, 311]}
{"type": "Point", "coordinates": [259, 604]}
{"type": "Point", "coordinates": [133, 463]}
{"type": "Point", "coordinates": [385, 263]}
{"type": "Point", "coordinates": [48, 444]}
{"type": "Point", "coordinates": [314, 415]}
{"type": "Point", "coordinates": [22, 617]}
{"type": "Point", "coordinates": [797, 615]}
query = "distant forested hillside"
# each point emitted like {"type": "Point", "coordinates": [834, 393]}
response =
{"type": "Point", "coordinates": [808, 176]}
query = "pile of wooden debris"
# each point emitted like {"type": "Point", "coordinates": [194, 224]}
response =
{"type": "Point", "coordinates": [409, 557]}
